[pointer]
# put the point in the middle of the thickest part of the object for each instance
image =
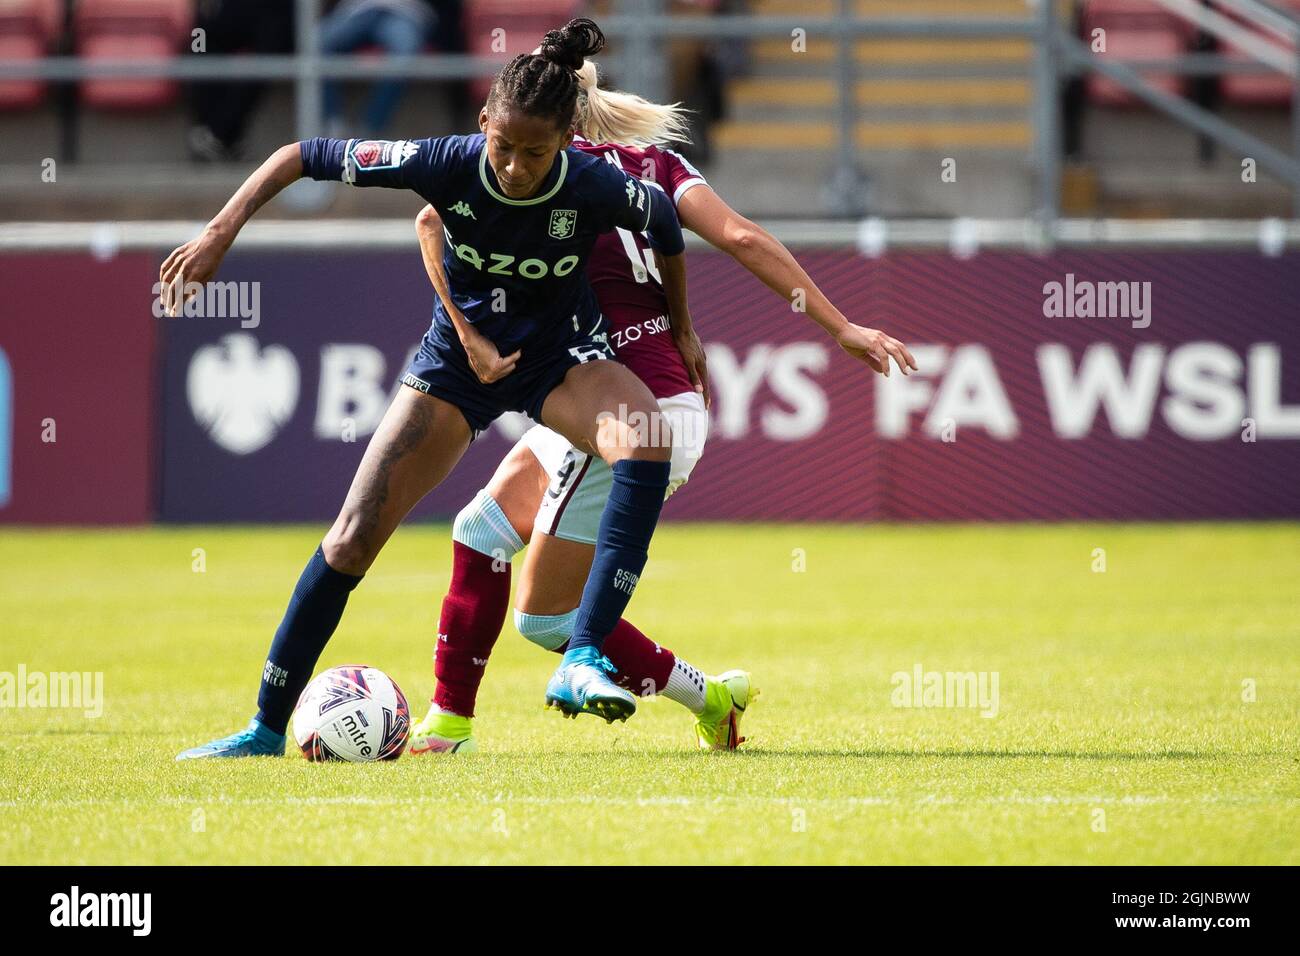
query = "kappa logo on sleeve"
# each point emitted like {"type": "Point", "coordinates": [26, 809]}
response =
{"type": "Point", "coordinates": [635, 195]}
{"type": "Point", "coordinates": [371, 155]}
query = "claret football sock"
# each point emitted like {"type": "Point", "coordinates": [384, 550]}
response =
{"type": "Point", "coordinates": [643, 666]}
{"type": "Point", "coordinates": [646, 668]}
{"type": "Point", "coordinates": [622, 545]}
{"type": "Point", "coordinates": [314, 611]}
{"type": "Point", "coordinates": [473, 613]}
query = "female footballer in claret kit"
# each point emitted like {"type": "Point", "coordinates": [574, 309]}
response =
{"type": "Point", "coordinates": [550, 495]}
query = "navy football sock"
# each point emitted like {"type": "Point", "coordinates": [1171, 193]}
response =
{"type": "Point", "coordinates": [309, 621]}
{"type": "Point", "coordinates": [622, 544]}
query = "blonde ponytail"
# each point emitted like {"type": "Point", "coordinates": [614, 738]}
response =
{"type": "Point", "coordinates": [612, 116]}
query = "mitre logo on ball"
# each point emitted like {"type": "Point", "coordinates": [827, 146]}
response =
{"type": "Point", "coordinates": [241, 394]}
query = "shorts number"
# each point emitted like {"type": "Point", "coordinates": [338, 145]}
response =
{"type": "Point", "coordinates": [586, 353]}
{"type": "Point", "coordinates": [563, 475]}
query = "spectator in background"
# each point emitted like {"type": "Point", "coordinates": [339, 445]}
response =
{"type": "Point", "coordinates": [221, 111]}
{"type": "Point", "coordinates": [398, 27]}
{"type": "Point", "coordinates": [699, 70]}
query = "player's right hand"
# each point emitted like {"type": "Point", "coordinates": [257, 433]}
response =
{"type": "Point", "coordinates": [875, 348]}
{"type": "Point", "coordinates": [194, 262]}
{"type": "Point", "coordinates": [697, 363]}
{"type": "Point", "coordinates": [488, 364]}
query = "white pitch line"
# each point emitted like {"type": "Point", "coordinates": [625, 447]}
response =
{"type": "Point", "coordinates": [685, 801]}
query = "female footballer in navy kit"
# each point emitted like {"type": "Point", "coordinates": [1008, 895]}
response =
{"type": "Point", "coordinates": [522, 210]}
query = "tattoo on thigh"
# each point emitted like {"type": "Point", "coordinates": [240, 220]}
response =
{"type": "Point", "coordinates": [373, 491]}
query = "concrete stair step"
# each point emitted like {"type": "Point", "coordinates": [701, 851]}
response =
{"type": "Point", "coordinates": [888, 135]}
{"type": "Point", "coordinates": [924, 51]}
{"type": "Point", "coordinates": [762, 91]}
{"type": "Point", "coordinates": [965, 9]}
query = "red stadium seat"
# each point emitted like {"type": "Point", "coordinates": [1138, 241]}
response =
{"type": "Point", "coordinates": [1258, 89]}
{"type": "Point", "coordinates": [523, 29]}
{"type": "Point", "coordinates": [1135, 29]}
{"type": "Point", "coordinates": [27, 30]}
{"type": "Point", "coordinates": [134, 29]}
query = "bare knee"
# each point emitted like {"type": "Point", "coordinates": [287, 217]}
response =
{"type": "Point", "coordinates": [517, 487]}
{"type": "Point", "coordinates": [641, 435]}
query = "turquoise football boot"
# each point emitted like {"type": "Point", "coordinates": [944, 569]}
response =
{"type": "Point", "coordinates": [581, 685]}
{"type": "Point", "coordinates": [255, 740]}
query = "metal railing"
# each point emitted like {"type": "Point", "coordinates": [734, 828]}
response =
{"type": "Point", "coordinates": [642, 26]}
{"type": "Point", "coordinates": [872, 237]}
{"type": "Point", "coordinates": [1077, 57]}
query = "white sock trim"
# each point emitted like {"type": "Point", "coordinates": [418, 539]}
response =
{"type": "Point", "coordinates": [686, 686]}
{"type": "Point", "coordinates": [550, 631]}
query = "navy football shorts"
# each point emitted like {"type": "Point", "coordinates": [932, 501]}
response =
{"type": "Point", "coordinates": [442, 368]}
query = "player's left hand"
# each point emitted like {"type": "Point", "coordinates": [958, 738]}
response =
{"type": "Point", "coordinates": [484, 359]}
{"type": "Point", "coordinates": [697, 363]}
{"type": "Point", "coordinates": [875, 348]}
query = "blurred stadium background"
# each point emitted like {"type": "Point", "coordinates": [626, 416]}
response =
{"type": "Point", "coordinates": [936, 164]}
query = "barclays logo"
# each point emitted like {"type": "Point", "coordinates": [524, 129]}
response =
{"type": "Point", "coordinates": [240, 393]}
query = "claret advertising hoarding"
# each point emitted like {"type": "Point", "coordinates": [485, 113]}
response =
{"type": "Point", "coordinates": [1154, 385]}
{"type": "Point", "coordinates": [78, 389]}
{"type": "Point", "coordinates": [1147, 385]}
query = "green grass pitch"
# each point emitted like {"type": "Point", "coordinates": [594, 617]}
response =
{"type": "Point", "coordinates": [1146, 714]}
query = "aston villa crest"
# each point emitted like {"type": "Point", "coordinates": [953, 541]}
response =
{"type": "Point", "coordinates": [562, 223]}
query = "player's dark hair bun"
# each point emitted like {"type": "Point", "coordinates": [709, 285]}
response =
{"type": "Point", "coordinates": [573, 43]}
{"type": "Point", "coordinates": [546, 83]}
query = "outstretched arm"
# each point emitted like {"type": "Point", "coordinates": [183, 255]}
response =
{"type": "Point", "coordinates": [705, 213]}
{"type": "Point", "coordinates": [198, 259]}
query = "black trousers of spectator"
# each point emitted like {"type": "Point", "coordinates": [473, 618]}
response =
{"type": "Point", "coordinates": [237, 26]}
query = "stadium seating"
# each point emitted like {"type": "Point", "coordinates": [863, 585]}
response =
{"type": "Point", "coordinates": [135, 29]}
{"type": "Point", "coordinates": [28, 28]}
{"type": "Point", "coordinates": [1258, 89]}
{"type": "Point", "coordinates": [1135, 29]}
{"type": "Point", "coordinates": [787, 103]}
{"type": "Point", "coordinates": [522, 30]}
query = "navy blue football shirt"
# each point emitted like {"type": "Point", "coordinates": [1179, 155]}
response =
{"type": "Point", "coordinates": [516, 266]}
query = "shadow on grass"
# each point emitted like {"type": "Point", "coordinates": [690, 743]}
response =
{"type": "Point", "coordinates": [759, 753]}
{"type": "Point", "coordinates": [74, 732]}
{"type": "Point", "coordinates": [1014, 754]}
